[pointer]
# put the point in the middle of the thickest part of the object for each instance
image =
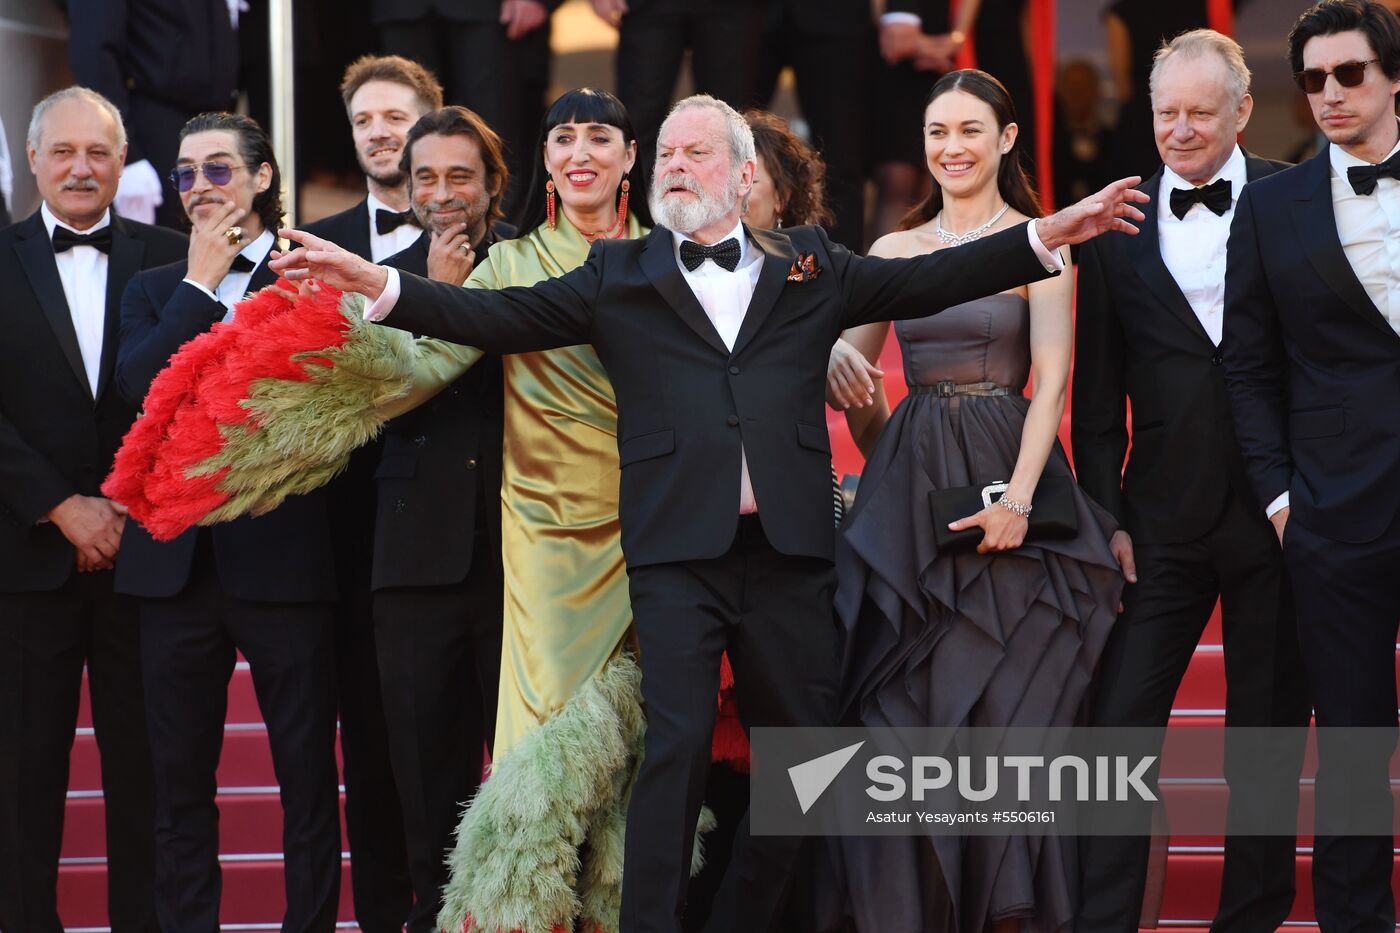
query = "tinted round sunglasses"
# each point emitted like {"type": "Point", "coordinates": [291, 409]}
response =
{"type": "Point", "coordinates": [1313, 80]}
{"type": "Point", "coordinates": [217, 173]}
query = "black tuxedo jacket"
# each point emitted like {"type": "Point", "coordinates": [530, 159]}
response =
{"type": "Point", "coordinates": [180, 52]}
{"type": "Point", "coordinates": [284, 556]}
{"type": "Point", "coordinates": [439, 477]}
{"type": "Point", "coordinates": [1312, 367]}
{"type": "Point", "coordinates": [349, 229]}
{"type": "Point", "coordinates": [1137, 338]}
{"type": "Point", "coordinates": [685, 401]}
{"type": "Point", "coordinates": [55, 438]}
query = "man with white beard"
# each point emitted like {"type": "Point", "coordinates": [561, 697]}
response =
{"type": "Point", "coordinates": [716, 339]}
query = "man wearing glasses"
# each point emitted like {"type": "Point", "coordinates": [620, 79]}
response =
{"type": "Point", "coordinates": [262, 586]}
{"type": "Point", "coordinates": [1312, 352]}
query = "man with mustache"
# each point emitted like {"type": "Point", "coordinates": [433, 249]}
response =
{"type": "Point", "coordinates": [716, 339]}
{"type": "Point", "coordinates": [383, 96]}
{"type": "Point", "coordinates": [63, 271]}
{"type": "Point", "coordinates": [263, 586]}
{"type": "Point", "coordinates": [437, 576]}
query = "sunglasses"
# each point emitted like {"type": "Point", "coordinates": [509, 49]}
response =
{"type": "Point", "coordinates": [1348, 74]}
{"type": "Point", "coordinates": [217, 174]}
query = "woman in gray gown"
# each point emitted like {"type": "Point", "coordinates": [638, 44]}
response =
{"type": "Point", "coordinates": [1004, 635]}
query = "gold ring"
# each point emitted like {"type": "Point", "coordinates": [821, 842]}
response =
{"type": "Point", "coordinates": [234, 235]}
{"type": "Point", "coordinates": [466, 247]}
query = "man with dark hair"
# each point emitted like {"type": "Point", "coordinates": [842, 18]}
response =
{"type": "Point", "coordinates": [1148, 329]}
{"type": "Point", "coordinates": [437, 551]}
{"type": "Point", "coordinates": [263, 586]}
{"type": "Point", "coordinates": [383, 96]}
{"type": "Point", "coordinates": [1311, 352]}
{"type": "Point", "coordinates": [160, 62]}
{"type": "Point", "coordinates": [62, 271]}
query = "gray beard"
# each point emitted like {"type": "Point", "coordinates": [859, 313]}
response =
{"type": "Point", "coordinates": [689, 216]}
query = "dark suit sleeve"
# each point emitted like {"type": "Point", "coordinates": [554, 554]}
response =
{"type": "Point", "coordinates": [555, 313]}
{"type": "Point", "coordinates": [877, 289]}
{"type": "Point", "coordinates": [1098, 429]}
{"type": "Point", "coordinates": [97, 49]}
{"type": "Point", "coordinates": [151, 333]}
{"type": "Point", "coordinates": [29, 484]}
{"type": "Point", "coordinates": [1254, 358]}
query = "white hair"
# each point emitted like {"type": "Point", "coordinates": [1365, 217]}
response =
{"type": "Point", "coordinates": [76, 92]}
{"type": "Point", "coordinates": [1199, 42]}
{"type": "Point", "coordinates": [737, 131]}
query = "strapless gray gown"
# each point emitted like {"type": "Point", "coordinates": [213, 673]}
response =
{"type": "Point", "coordinates": [963, 639]}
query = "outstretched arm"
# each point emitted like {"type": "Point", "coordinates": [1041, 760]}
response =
{"type": "Point", "coordinates": [554, 313]}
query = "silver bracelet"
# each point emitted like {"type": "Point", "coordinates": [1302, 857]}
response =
{"type": "Point", "coordinates": [1011, 505]}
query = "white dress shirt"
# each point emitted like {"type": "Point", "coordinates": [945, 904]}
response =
{"type": "Point", "coordinates": [725, 296]}
{"type": "Point", "coordinates": [395, 241]}
{"type": "Point", "coordinates": [234, 287]}
{"type": "Point", "coordinates": [1368, 226]}
{"type": "Point", "coordinates": [83, 271]}
{"type": "Point", "coordinates": [1193, 248]}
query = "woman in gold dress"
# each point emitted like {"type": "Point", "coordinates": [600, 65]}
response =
{"type": "Point", "coordinates": [540, 847]}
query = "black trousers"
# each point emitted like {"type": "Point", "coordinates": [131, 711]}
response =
{"type": "Point", "coordinates": [45, 639]}
{"type": "Point", "coordinates": [156, 125]}
{"type": "Point", "coordinates": [188, 645]}
{"type": "Point", "coordinates": [504, 81]}
{"type": "Point", "coordinates": [1143, 663]}
{"type": "Point", "coordinates": [1348, 604]}
{"type": "Point", "coordinates": [440, 664]}
{"type": "Point", "coordinates": [773, 614]}
{"type": "Point", "coordinates": [725, 39]}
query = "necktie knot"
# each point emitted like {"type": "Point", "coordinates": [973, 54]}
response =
{"type": "Point", "coordinates": [1363, 178]}
{"type": "Point", "coordinates": [65, 239]}
{"type": "Point", "coordinates": [389, 221]}
{"type": "Point", "coordinates": [725, 254]}
{"type": "Point", "coordinates": [1215, 196]}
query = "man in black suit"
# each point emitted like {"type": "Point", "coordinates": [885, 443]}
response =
{"type": "Point", "coordinates": [1312, 352]}
{"type": "Point", "coordinates": [63, 271]}
{"type": "Point", "coordinates": [384, 96]}
{"type": "Point", "coordinates": [263, 586]}
{"type": "Point", "coordinates": [126, 50]}
{"type": "Point", "coordinates": [492, 55]}
{"type": "Point", "coordinates": [1148, 330]}
{"type": "Point", "coordinates": [725, 41]}
{"type": "Point", "coordinates": [726, 464]}
{"type": "Point", "coordinates": [437, 537]}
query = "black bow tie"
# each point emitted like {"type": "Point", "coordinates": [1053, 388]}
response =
{"type": "Point", "coordinates": [725, 255]}
{"type": "Point", "coordinates": [65, 239]}
{"type": "Point", "coordinates": [242, 263]}
{"type": "Point", "coordinates": [1363, 178]}
{"type": "Point", "coordinates": [389, 221]}
{"type": "Point", "coordinates": [1215, 196]}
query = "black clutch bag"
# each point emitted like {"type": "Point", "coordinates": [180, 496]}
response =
{"type": "Point", "coordinates": [1053, 515]}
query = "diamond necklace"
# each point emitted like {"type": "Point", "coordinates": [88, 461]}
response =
{"type": "Point", "coordinates": [958, 239]}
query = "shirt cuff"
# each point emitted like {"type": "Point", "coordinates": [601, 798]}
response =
{"type": "Point", "coordinates": [212, 296]}
{"type": "Point", "coordinates": [1278, 505]}
{"type": "Point", "coordinates": [890, 19]}
{"type": "Point", "coordinates": [379, 308]}
{"type": "Point", "coordinates": [1051, 261]}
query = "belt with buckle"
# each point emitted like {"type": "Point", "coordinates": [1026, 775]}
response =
{"type": "Point", "coordinates": [948, 389]}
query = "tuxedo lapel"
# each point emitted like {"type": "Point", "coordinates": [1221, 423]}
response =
{"type": "Point", "coordinates": [1315, 222]}
{"type": "Point", "coordinates": [357, 238]}
{"type": "Point", "coordinates": [262, 277]}
{"type": "Point", "coordinates": [122, 264]}
{"type": "Point", "coordinates": [778, 257]}
{"type": "Point", "coordinates": [659, 265]}
{"type": "Point", "coordinates": [1145, 251]}
{"type": "Point", "coordinates": [36, 257]}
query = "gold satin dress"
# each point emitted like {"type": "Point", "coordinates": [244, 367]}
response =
{"type": "Point", "coordinates": [566, 609]}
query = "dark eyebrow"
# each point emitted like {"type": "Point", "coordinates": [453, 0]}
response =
{"type": "Point", "coordinates": [186, 160]}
